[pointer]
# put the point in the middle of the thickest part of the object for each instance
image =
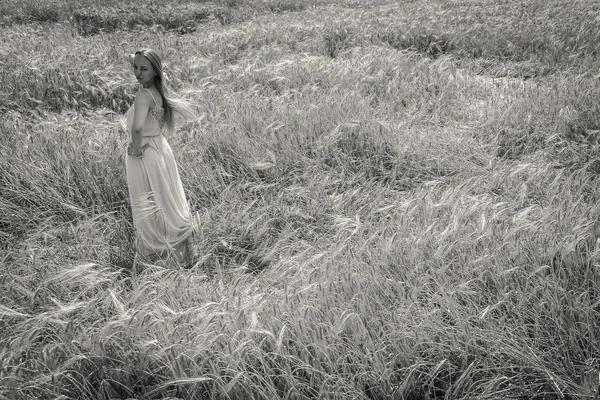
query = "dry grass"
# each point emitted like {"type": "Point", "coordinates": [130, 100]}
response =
{"type": "Point", "coordinates": [392, 200]}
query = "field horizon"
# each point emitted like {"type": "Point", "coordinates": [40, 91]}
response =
{"type": "Point", "coordinates": [391, 199]}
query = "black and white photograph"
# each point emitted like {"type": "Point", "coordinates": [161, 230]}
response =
{"type": "Point", "coordinates": [299, 199]}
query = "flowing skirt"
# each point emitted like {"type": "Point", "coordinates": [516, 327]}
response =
{"type": "Point", "coordinates": [161, 214]}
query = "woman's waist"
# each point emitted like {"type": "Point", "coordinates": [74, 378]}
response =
{"type": "Point", "coordinates": [147, 133]}
{"type": "Point", "coordinates": [152, 139]}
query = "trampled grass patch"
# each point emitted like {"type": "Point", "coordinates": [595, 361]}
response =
{"type": "Point", "coordinates": [182, 19]}
{"type": "Point", "coordinates": [553, 35]}
{"type": "Point", "coordinates": [428, 44]}
{"type": "Point", "coordinates": [32, 11]}
{"type": "Point", "coordinates": [182, 16]}
{"type": "Point", "coordinates": [103, 15]}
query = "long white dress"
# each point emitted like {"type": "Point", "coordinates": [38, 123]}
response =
{"type": "Point", "coordinates": [161, 214]}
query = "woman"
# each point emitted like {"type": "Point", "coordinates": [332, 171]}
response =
{"type": "Point", "coordinates": [161, 214]}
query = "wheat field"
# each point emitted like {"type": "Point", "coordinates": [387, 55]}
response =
{"type": "Point", "coordinates": [392, 200]}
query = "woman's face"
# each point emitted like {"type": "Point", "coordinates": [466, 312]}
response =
{"type": "Point", "coordinates": [143, 70]}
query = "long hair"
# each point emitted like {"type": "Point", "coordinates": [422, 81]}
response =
{"type": "Point", "coordinates": [171, 103]}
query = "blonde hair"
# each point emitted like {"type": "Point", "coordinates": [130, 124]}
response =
{"type": "Point", "coordinates": [171, 103]}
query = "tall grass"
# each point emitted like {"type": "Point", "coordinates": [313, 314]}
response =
{"type": "Point", "coordinates": [396, 200]}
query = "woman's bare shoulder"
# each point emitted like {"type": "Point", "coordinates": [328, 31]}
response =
{"type": "Point", "coordinates": [143, 97]}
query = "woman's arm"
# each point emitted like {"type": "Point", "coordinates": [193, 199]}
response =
{"type": "Point", "coordinates": [142, 105]}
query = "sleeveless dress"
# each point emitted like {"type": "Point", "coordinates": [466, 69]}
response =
{"type": "Point", "coordinates": [161, 214]}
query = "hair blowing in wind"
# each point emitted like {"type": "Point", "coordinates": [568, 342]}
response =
{"type": "Point", "coordinates": [171, 103]}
